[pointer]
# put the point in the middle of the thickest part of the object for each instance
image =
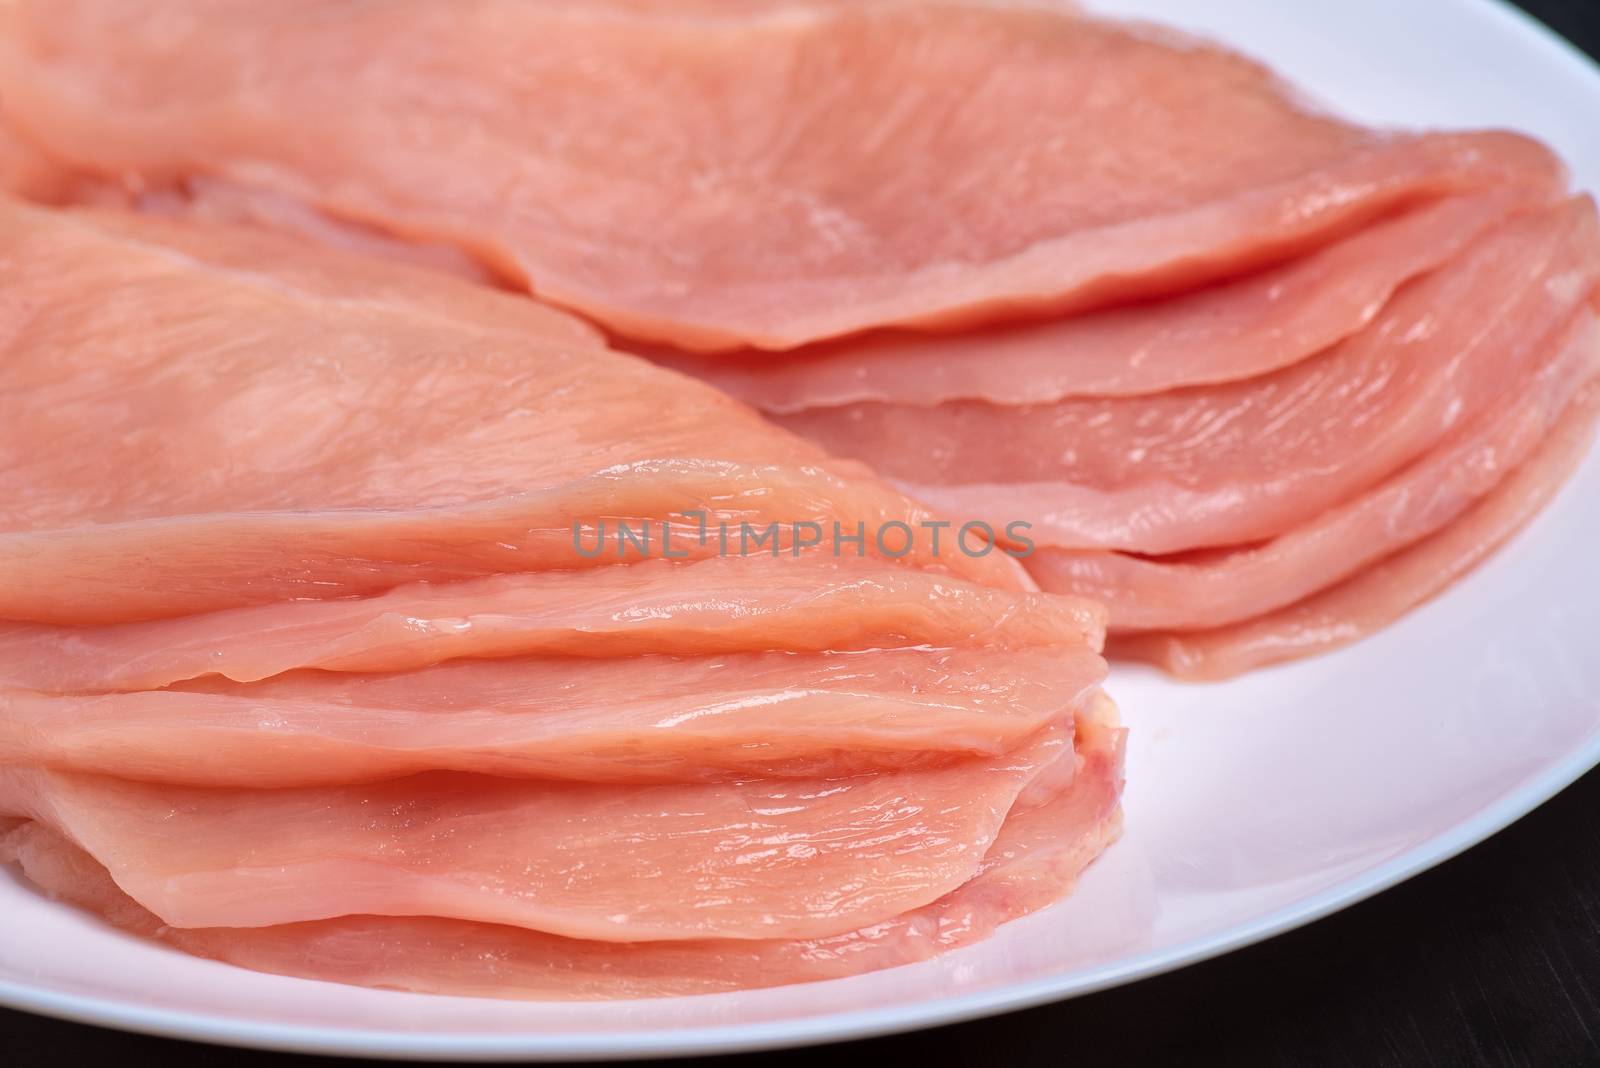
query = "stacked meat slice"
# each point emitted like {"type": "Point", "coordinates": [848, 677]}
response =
{"type": "Point", "coordinates": [1233, 524]}
{"type": "Point", "coordinates": [315, 655]}
{"type": "Point", "coordinates": [1226, 359]}
{"type": "Point", "coordinates": [302, 666]}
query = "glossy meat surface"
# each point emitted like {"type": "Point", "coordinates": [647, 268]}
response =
{"type": "Point", "coordinates": [751, 859]}
{"type": "Point", "coordinates": [1034, 861]}
{"type": "Point", "coordinates": [1231, 330]}
{"type": "Point", "coordinates": [614, 158]}
{"type": "Point", "coordinates": [718, 605]}
{"type": "Point", "coordinates": [1379, 595]}
{"type": "Point", "coordinates": [1212, 589]}
{"type": "Point", "coordinates": [1242, 461]}
{"type": "Point", "coordinates": [290, 422]}
{"type": "Point", "coordinates": [636, 719]}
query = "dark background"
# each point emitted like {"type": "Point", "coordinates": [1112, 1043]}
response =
{"type": "Point", "coordinates": [1493, 958]}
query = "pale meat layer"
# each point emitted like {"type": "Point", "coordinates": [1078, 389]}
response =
{"type": "Point", "coordinates": [1386, 591]}
{"type": "Point", "coordinates": [1034, 861]}
{"type": "Point", "coordinates": [764, 858]}
{"type": "Point", "coordinates": [1242, 461]}
{"type": "Point", "coordinates": [813, 603]}
{"type": "Point", "coordinates": [283, 429]}
{"type": "Point", "coordinates": [1211, 589]}
{"type": "Point", "coordinates": [906, 164]}
{"type": "Point", "coordinates": [1231, 330]}
{"type": "Point", "coordinates": [638, 719]}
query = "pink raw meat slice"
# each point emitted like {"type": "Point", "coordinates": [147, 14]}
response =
{"type": "Point", "coordinates": [1381, 594]}
{"type": "Point", "coordinates": [337, 269]}
{"type": "Point", "coordinates": [766, 858]}
{"type": "Point", "coordinates": [657, 606]}
{"type": "Point", "coordinates": [1244, 461]}
{"type": "Point", "coordinates": [913, 164]}
{"type": "Point", "coordinates": [26, 172]}
{"type": "Point", "coordinates": [1033, 862]}
{"type": "Point", "coordinates": [1232, 330]}
{"type": "Point", "coordinates": [1212, 589]}
{"type": "Point", "coordinates": [204, 563]}
{"type": "Point", "coordinates": [638, 719]}
{"type": "Point", "coordinates": [230, 391]}
{"type": "Point", "coordinates": [281, 430]}
{"type": "Point", "coordinates": [203, 199]}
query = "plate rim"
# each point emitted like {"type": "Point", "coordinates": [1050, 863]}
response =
{"type": "Point", "coordinates": [801, 1031]}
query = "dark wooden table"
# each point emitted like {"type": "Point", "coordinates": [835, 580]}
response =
{"type": "Point", "coordinates": [1493, 958]}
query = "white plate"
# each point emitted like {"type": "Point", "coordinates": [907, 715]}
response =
{"type": "Point", "coordinates": [1252, 807]}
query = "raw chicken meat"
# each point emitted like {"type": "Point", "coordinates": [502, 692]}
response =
{"type": "Point", "coordinates": [777, 746]}
{"type": "Point", "coordinates": [766, 858]}
{"type": "Point", "coordinates": [211, 358]}
{"type": "Point", "coordinates": [28, 173]}
{"type": "Point", "coordinates": [615, 159]}
{"type": "Point", "coordinates": [1211, 589]}
{"type": "Point", "coordinates": [1228, 331]}
{"type": "Point", "coordinates": [281, 435]}
{"type": "Point", "coordinates": [190, 564]}
{"type": "Point", "coordinates": [1033, 862]}
{"type": "Point", "coordinates": [635, 719]}
{"type": "Point", "coordinates": [315, 655]}
{"type": "Point", "coordinates": [202, 199]}
{"type": "Point", "coordinates": [243, 246]}
{"type": "Point", "coordinates": [755, 603]}
{"type": "Point", "coordinates": [1379, 595]}
{"type": "Point", "coordinates": [1249, 460]}
{"type": "Point", "coordinates": [697, 748]}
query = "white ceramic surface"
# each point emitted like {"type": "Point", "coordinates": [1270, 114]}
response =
{"type": "Point", "coordinates": [1251, 807]}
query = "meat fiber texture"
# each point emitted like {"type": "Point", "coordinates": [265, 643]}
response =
{"type": "Point", "coordinates": [1038, 854]}
{"type": "Point", "coordinates": [321, 655]}
{"type": "Point", "coordinates": [1252, 518]}
{"type": "Point", "coordinates": [1220, 350]}
{"type": "Point", "coordinates": [321, 683]}
{"type": "Point", "coordinates": [291, 424]}
{"type": "Point", "coordinates": [905, 164]}
{"type": "Point", "coordinates": [1244, 461]}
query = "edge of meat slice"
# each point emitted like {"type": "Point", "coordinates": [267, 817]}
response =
{"type": "Point", "coordinates": [716, 605]}
{"type": "Point", "coordinates": [1231, 330]}
{"type": "Point", "coordinates": [749, 859]}
{"type": "Point", "coordinates": [1382, 593]}
{"type": "Point", "coordinates": [249, 476]}
{"type": "Point", "coordinates": [1240, 462]}
{"type": "Point", "coordinates": [264, 239]}
{"type": "Point", "coordinates": [638, 719]}
{"type": "Point", "coordinates": [192, 564]}
{"type": "Point", "coordinates": [1034, 861]}
{"type": "Point", "coordinates": [1213, 589]}
{"type": "Point", "coordinates": [606, 160]}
